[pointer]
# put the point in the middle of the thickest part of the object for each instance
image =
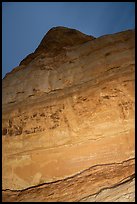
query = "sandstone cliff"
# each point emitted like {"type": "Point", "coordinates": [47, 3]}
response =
{"type": "Point", "coordinates": [68, 120]}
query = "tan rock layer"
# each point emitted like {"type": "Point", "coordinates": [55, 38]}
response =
{"type": "Point", "coordinates": [73, 189]}
{"type": "Point", "coordinates": [68, 119]}
{"type": "Point", "coordinates": [124, 192]}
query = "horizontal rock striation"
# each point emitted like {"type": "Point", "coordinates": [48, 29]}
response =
{"type": "Point", "coordinates": [68, 120]}
{"type": "Point", "coordinates": [73, 188]}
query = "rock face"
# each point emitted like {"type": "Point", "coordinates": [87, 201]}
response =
{"type": "Point", "coordinates": [56, 40]}
{"type": "Point", "coordinates": [68, 120]}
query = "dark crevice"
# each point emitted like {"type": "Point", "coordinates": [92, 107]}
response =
{"type": "Point", "coordinates": [112, 68]}
{"type": "Point", "coordinates": [11, 102]}
{"type": "Point", "coordinates": [68, 178]}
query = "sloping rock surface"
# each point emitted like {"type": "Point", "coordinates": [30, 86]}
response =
{"type": "Point", "coordinates": [68, 120]}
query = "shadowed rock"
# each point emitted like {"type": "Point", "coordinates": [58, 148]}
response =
{"type": "Point", "coordinates": [56, 39]}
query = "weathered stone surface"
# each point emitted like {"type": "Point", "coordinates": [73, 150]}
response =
{"type": "Point", "coordinates": [120, 193]}
{"type": "Point", "coordinates": [68, 120]}
{"type": "Point", "coordinates": [57, 39]}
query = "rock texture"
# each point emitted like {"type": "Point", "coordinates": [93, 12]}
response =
{"type": "Point", "coordinates": [68, 120]}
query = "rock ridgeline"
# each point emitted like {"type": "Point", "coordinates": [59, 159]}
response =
{"type": "Point", "coordinates": [57, 39]}
{"type": "Point", "coordinates": [68, 120]}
